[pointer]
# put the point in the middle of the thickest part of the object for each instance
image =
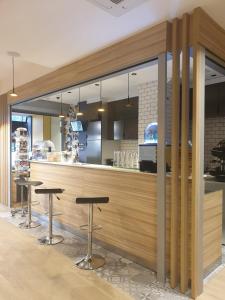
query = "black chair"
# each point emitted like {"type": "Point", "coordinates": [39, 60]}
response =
{"type": "Point", "coordinates": [90, 261]}
{"type": "Point", "coordinates": [50, 239]}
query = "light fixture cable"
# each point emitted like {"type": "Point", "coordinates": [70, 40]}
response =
{"type": "Point", "coordinates": [101, 108]}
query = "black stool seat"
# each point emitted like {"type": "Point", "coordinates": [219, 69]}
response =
{"type": "Point", "coordinates": [49, 191]}
{"type": "Point", "coordinates": [92, 200]}
{"type": "Point", "coordinates": [28, 182]}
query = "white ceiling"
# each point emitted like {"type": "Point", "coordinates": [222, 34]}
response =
{"type": "Point", "coordinates": [49, 34]}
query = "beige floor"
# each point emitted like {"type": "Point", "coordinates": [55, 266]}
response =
{"type": "Point", "coordinates": [29, 271]}
{"type": "Point", "coordinates": [214, 289]}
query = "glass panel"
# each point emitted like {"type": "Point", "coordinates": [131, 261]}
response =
{"type": "Point", "coordinates": [110, 121]}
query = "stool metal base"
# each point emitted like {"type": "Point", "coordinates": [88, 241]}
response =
{"type": "Point", "coordinates": [26, 225]}
{"type": "Point", "coordinates": [56, 239]}
{"type": "Point", "coordinates": [90, 263]}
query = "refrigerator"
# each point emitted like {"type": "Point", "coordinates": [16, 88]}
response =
{"type": "Point", "coordinates": [91, 139]}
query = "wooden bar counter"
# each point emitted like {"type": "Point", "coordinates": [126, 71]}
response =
{"type": "Point", "coordinates": [129, 220]}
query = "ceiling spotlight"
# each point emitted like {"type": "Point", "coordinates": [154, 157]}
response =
{"type": "Point", "coordinates": [13, 55]}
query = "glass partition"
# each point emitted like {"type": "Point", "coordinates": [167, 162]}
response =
{"type": "Point", "coordinates": [109, 121]}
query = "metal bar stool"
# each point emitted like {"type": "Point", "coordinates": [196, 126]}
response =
{"type": "Point", "coordinates": [91, 261]}
{"type": "Point", "coordinates": [50, 239]}
{"type": "Point", "coordinates": [22, 209]}
{"type": "Point", "coordinates": [28, 183]}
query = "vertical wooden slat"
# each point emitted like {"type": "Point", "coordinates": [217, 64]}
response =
{"type": "Point", "coordinates": [175, 190]}
{"type": "Point", "coordinates": [46, 127]}
{"type": "Point", "coordinates": [197, 170]}
{"type": "Point", "coordinates": [4, 151]}
{"type": "Point", "coordinates": [184, 156]}
{"type": "Point", "coordinates": [161, 170]}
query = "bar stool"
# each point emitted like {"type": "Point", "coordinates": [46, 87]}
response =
{"type": "Point", "coordinates": [91, 261]}
{"type": "Point", "coordinates": [22, 209]}
{"type": "Point", "coordinates": [50, 239]}
{"type": "Point", "coordinates": [28, 183]}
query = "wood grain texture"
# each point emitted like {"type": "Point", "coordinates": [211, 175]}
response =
{"type": "Point", "coordinates": [212, 228]}
{"type": "Point", "coordinates": [32, 271]}
{"type": "Point", "coordinates": [4, 151]}
{"type": "Point", "coordinates": [46, 128]}
{"type": "Point", "coordinates": [184, 156]}
{"type": "Point", "coordinates": [136, 49]}
{"type": "Point", "coordinates": [197, 171]}
{"type": "Point", "coordinates": [214, 288]}
{"type": "Point", "coordinates": [175, 155]}
{"type": "Point", "coordinates": [207, 33]}
{"type": "Point", "coordinates": [129, 220]}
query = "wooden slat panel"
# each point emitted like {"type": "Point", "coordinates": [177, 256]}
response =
{"type": "Point", "coordinates": [208, 33]}
{"type": "Point", "coordinates": [46, 128]}
{"type": "Point", "coordinates": [175, 153]}
{"type": "Point", "coordinates": [197, 171]}
{"type": "Point", "coordinates": [133, 50]}
{"type": "Point", "coordinates": [129, 220]}
{"type": "Point", "coordinates": [4, 151]}
{"type": "Point", "coordinates": [184, 156]}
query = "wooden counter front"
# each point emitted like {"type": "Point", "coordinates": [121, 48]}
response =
{"type": "Point", "coordinates": [129, 220]}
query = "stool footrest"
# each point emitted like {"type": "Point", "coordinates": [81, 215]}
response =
{"type": "Point", "coordinates": [94, 227]}
{"type": "Point", "coordinates": [54, 214]}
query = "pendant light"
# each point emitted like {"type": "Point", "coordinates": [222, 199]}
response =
{"type": "Point", "coordinates": [79, 112]}
{"type": "Point", "coordinates": [13, 55]}
{"type": "Point", "coordinates": [129, 104]}
{"type": "Point", "coordinates": [61, 115]}
{"type": "Point", "coordinates": [101, 108]}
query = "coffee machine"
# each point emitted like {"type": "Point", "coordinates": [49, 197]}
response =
{"type": "Point", "coordinates": [218, 169]}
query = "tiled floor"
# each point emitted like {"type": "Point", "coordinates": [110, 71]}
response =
{"type": "Point", "coordinates": [134, 279]}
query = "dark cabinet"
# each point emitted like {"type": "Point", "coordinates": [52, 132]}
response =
{"type": "Point", "coordinates": [123, 120]}
{"type": "Point", "coordinates": [212, 101]}
{"type": "Point", "coordinates": [125, 130]}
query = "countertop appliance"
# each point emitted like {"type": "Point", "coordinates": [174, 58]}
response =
{"type": "Point", "coordinates": [92, 141]}
{"type": "Point", "coordinates": [148, 157]}
{"type": "Point", "coordinates": [218, 169]}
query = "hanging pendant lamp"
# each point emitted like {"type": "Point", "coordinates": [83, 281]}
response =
{"type": "Point", "coordinates": [13, 55]}
{"type": "Point", "coordinates": [79, 112]}
{"type": "Point", "coordinates": [101, 108]}
{"type": "Point", "coordinates": [129, 104]}
{"type": "Point", "coordinates": [61, 115]}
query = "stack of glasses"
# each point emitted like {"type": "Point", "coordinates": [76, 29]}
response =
{"type": "Point", "coordinates": [126, 159]}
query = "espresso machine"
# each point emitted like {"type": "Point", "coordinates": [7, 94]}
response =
{"type": "Point", "coordinates": [218, 164]}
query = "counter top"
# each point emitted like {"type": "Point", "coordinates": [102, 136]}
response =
{"type": "Point", "coordinates": [91, 166]}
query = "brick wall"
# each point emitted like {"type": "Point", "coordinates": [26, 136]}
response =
{"type": "Point", "coordinates": [148, 108]}
{"type": "Point", "coordinates": [129, 145]}
{"type": "Point", "coordinates": [214, 133]}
